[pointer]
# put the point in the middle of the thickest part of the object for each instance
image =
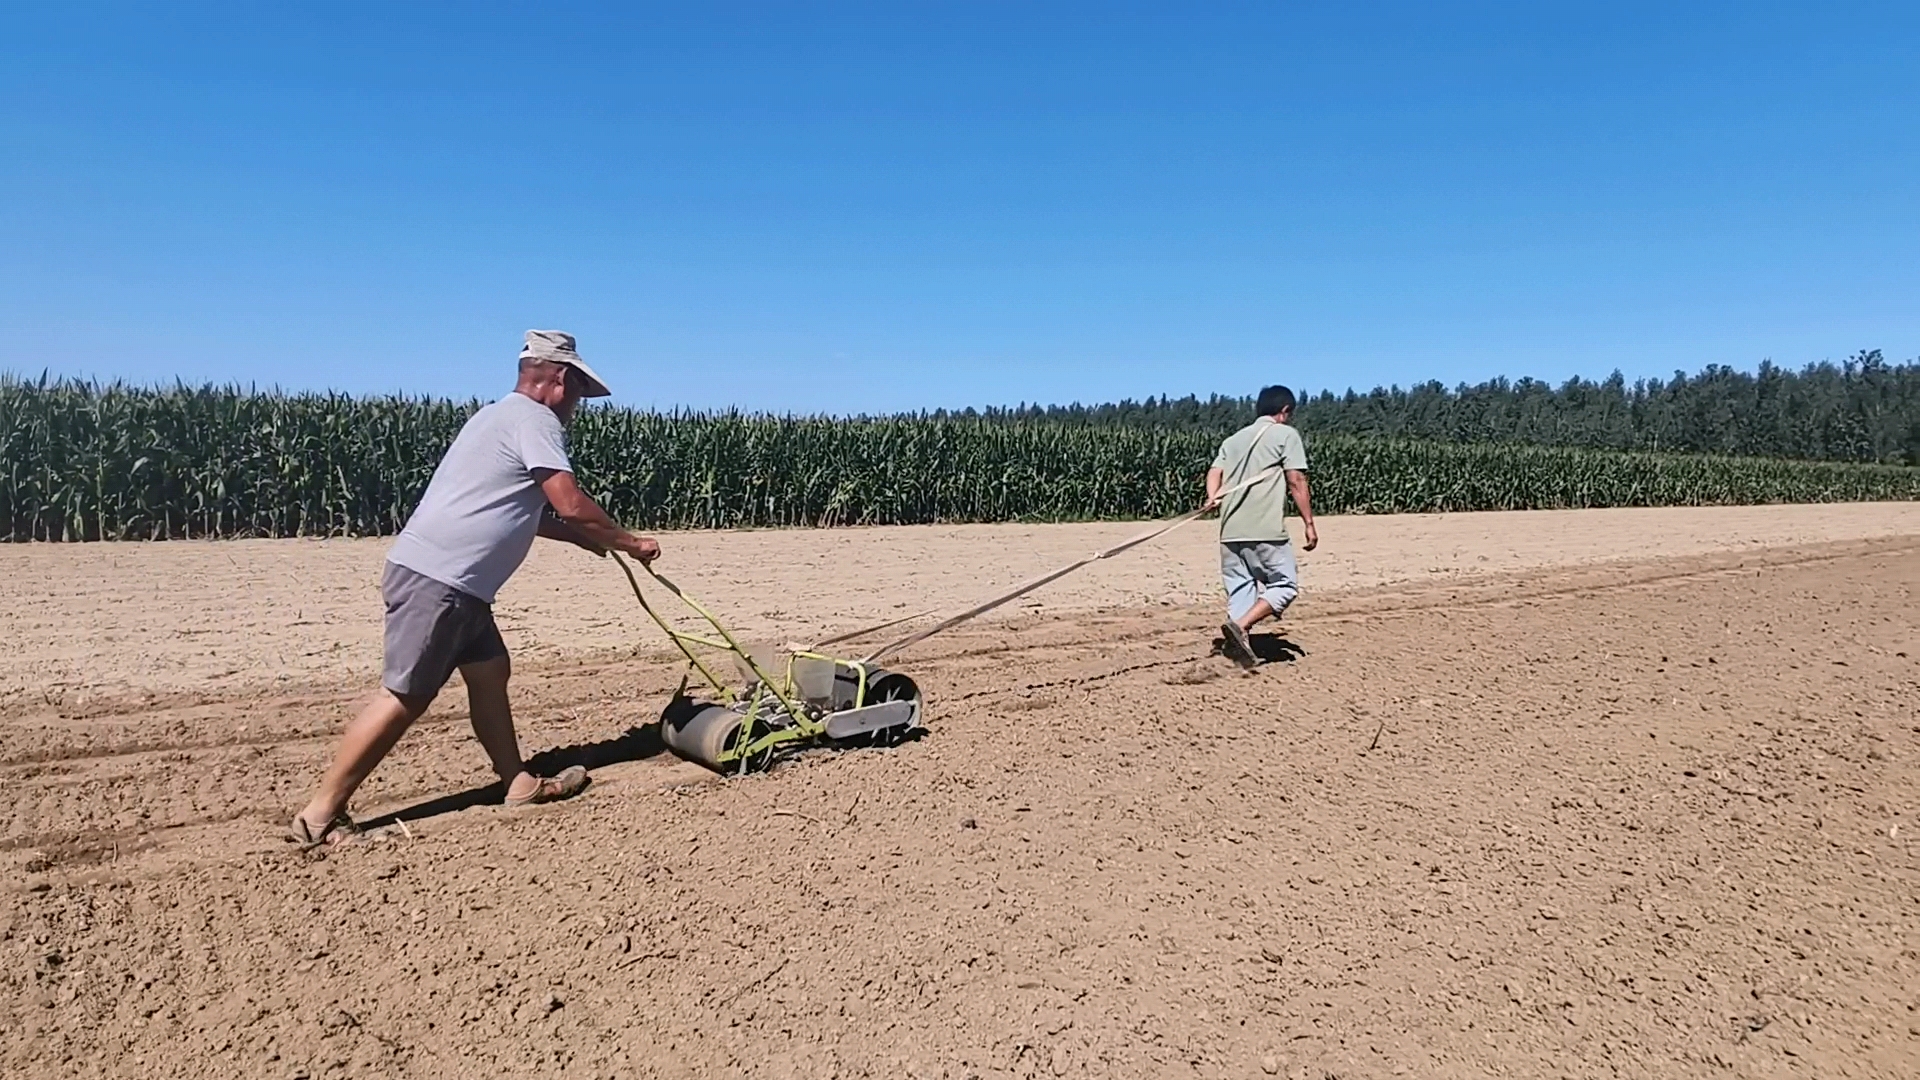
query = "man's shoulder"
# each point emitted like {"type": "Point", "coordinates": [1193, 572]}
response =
{"type": "Point", "coordinates": [1290, 450]}
{"type": "Point", "coordinates": [1244, 433]}
{"type": "Point", "coordinates": [518, 404]}
{"type": "Point", "coordinates": [506, 423]}
{"type": "Point", "coordinates": [517, 409]}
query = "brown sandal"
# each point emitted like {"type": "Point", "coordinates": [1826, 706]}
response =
{"type": "Point", "coordinates": [1238, 646]}
{"type": "Point", "coordinates": [331, 835]}
{"type": "Point", "coordinates": [571, 781]}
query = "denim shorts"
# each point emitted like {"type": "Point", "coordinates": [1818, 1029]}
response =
{"type": "Point", "coordinates": [1253, 570]}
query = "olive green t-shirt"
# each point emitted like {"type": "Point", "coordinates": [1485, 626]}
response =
{"type": "Point", "coordinates": [1259, 512]}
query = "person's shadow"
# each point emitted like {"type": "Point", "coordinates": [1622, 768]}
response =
{"type": "Point", "coordinates": [1267, 648]}
{"type": "Point", "coordinates": [1274, 649]}
{"type": "Point", "coordinates": [635, 744]}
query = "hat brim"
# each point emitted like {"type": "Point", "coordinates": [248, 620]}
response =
{"type": "Point", "coordinates": [595, 388]}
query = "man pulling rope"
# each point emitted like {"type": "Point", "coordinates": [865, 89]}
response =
{"type": "Point", "coordinates": [1257, 566]}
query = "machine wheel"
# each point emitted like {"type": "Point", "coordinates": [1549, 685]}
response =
{"type": "Point", "coordinates": [708, 733]}
{"type": "Point", "coordinates": [882, 687]}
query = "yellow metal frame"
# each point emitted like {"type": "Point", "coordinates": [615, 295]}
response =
{"type": "Point", "coordinates": [783, 694]}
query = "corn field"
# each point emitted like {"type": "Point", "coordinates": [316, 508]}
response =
{"type": "Point", "coordinates": [85, 462]}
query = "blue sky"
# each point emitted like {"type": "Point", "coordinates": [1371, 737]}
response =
{"type": "Point", "coordinates": [898, 206]}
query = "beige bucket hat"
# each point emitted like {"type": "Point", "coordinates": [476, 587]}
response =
{"type": "Point", "coordinates": [556, 347]}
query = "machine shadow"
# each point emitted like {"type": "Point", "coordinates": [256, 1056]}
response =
{"type": "Point", "coordinates": [635, 744]}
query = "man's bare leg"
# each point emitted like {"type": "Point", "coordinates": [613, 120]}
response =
{"type": "Point", "coordinates": [368, 739]}
{"type": "Point", "coordinates": [1238, 646]}
{"type": "Point", "coordinates": [1260, 610]}
{"type": "Point", "coordinates": [493, 726]}
{"type": "Point", "coordinates": [493, 723]}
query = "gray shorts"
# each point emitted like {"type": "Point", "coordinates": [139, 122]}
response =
{"type": "Point", "coordinates": [431, 630]}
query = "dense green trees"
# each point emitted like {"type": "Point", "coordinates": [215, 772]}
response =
{"type": "Point", "coordinates": [1864, 409]}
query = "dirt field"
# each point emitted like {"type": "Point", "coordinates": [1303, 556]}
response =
{"type": "Point", "coordinates": [1536, 795]}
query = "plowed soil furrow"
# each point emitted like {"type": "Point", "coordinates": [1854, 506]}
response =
{"type": "Point", "coordinates": [1647, 819]}
{"type": "Point", "coordinates": [253, 761]}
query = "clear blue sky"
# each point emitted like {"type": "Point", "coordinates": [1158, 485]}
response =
{"type": "Point", "coordinates": [898, 206]}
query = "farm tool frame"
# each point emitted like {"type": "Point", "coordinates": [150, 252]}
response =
{"type": "Point", "coordinates": [809, 699]}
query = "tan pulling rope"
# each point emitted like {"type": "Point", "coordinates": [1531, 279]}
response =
{"type": "Point", "coordinates": [1021, 590]}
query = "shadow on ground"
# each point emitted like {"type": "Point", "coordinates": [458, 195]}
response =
{"type": "Point", "coordinates": [1267, 648]}
{"type": "Point", "coordinates": [1274, 649]}
{"type": "Point", "coordinates": [636, 744]}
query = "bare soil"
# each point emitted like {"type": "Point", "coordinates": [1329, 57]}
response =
{"type": "Point", "coordinates": [1606, 794]}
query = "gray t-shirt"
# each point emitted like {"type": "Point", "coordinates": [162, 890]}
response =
{"type": "Point", "coordinates": [474, 526]}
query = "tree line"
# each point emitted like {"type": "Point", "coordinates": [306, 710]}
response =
{"type": "Point", "coordinates": [1863, 409]}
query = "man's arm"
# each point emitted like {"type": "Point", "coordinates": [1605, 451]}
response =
{"type": "Point", "coordinates": [552, 528]}
{"type": "Point", "coordinates": [1303, 502]}
{"type": "Point", "coordinates": [1215, 477]}
{"type": "Point", "coordinates": [578, 518]}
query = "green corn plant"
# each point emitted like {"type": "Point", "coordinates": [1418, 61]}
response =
{"type": "Point", "coordinates": [89, 462]}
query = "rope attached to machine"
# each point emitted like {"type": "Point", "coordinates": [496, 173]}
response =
{"type": "Point", "coordinates": [874, 629]}
{"type": "Point", "coordinates": [680, 638]}
{"type": "Point", "coordinates": [952, 621]}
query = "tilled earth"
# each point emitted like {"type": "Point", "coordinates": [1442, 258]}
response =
{"type": "Point", "coordinates": [1648, 820]}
